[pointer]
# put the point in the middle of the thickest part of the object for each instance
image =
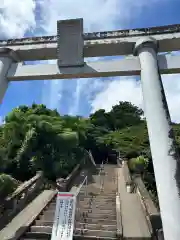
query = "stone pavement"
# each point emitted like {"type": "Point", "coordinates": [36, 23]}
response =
{"type": "Point", "coordinates": [133, 217]}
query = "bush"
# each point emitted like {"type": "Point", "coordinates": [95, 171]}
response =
{"type": "Point", "coordinates": [138, 165]}
{"type": "Point", "coordinates": [7, 185]}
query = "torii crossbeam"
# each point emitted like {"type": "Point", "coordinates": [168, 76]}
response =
{"type": "Point", "coordinates": [71, 46]}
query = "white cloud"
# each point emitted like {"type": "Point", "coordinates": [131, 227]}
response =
{"type": "Point", "coordinates": [122, 89]}
{"type": "Point", "coordinates": [86, 90]}
{"type": "Point", "coordinates": [2, 121]}
{"type": "Point", "coordinates": [97, 15]}
{"type": "Point", "coordinates": [16, 17]}
{"type": "Point", "coordinates": [129, 89]}
{"type": "Point", "coordinates": [56, 94]}
{"type": "Point", "coordinates": [171, 84]}
{"type": "Point", "coordinates": [74, 109]}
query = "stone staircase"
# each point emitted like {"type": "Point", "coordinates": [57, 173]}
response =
{"type": "Point", "coordinates": [104, 210]}
{"type": "Point", "coordinates": [95, 212]}
{"type": "Point", "coordinates": [97, 216]}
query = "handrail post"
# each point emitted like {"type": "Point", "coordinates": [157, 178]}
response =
{"type": "Point", "coordinates": [77, 213]}
{"type": "Point", "coordinates": [86, 187]}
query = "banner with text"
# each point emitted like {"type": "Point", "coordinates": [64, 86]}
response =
{"type": "Point", "coordinates": [64, 216]}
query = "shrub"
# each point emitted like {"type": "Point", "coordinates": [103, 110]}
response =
{"type": "Point", "coordinates": [138, 165]}
{"type": "Point", "coordinates": [7, 185]}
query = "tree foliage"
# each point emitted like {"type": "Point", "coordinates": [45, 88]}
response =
{"type": "Point", "coordinates": [37, 138]}
{"type": "Point", "coordinates": [7, 185]}
{"type": "Point", "coordinates": [139, 164]}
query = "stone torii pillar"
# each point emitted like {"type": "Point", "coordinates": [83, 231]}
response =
{"type": "Point", "coordinates": [7, 56]}
{"type": "Point", "coordinates": [165, 157]}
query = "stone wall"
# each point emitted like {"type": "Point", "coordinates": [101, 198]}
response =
{"type": "Point", "coordinates": [152, 212]}
{"type": "Point", "coordinates": [25, 193]}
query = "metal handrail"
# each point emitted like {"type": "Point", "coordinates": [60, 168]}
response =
{"type": "Point", "coordinates": [91, 157]}
{"type": "Point", "coordinates": [83, 182]}
{"type": "Point", "coordinates": [77, 213]}
{"type": "Point", "coordinates": [101, 183]}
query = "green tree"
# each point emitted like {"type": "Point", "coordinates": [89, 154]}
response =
{"type": "Point", "coordinates": [7, 185]}
{"type": "Point", "coordinates": [139, 164]}
{"type": "Point", "coordinates": [125, 114]}
{"type": "Point", "coordinates": [37, 138]}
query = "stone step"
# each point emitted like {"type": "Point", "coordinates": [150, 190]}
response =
{"type": "Point", "coordinates": [99, 194]}
{"type": "Point", "coordinates": [104, 195]}
{"type": "Point", "coordinates": [95, 233]}
{"type": "Point", "coordinates": [95, 226]}
{"type": "Point", "coordinates": [35, 238]}
{"type": "Point", "coordinates": [109, 185]}
{"type": "Point", "coordinates": [103, 221]}
{"type": "Point", "coordinates": [97, 203]}
{"type": "Point", "coordinates": [36, 235]}
{"type": "Point", "coordinates": [97, 187]}
{"type": "Point", "coordinates": [96, 207]}
{"type": "Point", "coordinates": [43, 223]}
{"type": "Point", "coordinates": [102, 202]}
{"type": "Point", "coordinates": [87, 210]}
{"type": "Point", "coordinates": [90, 226]}
{"type": "Point", "coordinates": [103, 192]}
{"type": "Point", "coordinates": [81, 237]}
{"type": "Point", "coordinates": [41, 230]}
{"type": "Point", "coordinates": [51, 208]}
{"type": "Point", "coordinates": [97, 216]}
{"type": "Point", "coordinates": [89, 207]}
{"type": "Point", "coordinates": [110, 215]}
{"type": "Point", "coordinates": [109, 204]}
{"type": "Point", "coordinates": [50, 217]}
{"type": "Point", "coordinates": [47, 236]}
{"type": "Point", "coordinates": [111, 212]}
{"type": "Point", "coordinates": [112, 187]}
{"type": "Point", "coordinates": [98, 199]}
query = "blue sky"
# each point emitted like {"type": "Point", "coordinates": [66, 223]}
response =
{"type": "Point", "coordinates": [83, 96]}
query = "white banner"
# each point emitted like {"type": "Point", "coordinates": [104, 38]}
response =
{"type": "Point", "coordinates": [64, 216]}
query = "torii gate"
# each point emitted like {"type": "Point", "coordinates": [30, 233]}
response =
{"type": "Point", "coordinates": [70, 46]}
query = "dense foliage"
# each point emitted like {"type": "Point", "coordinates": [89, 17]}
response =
{"type": "Point", "coordinates": [36, 138]}
{"type": "Point", "coordinates": [138, 165]}
{"type": "Point", "coordinates": [7, 185]}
